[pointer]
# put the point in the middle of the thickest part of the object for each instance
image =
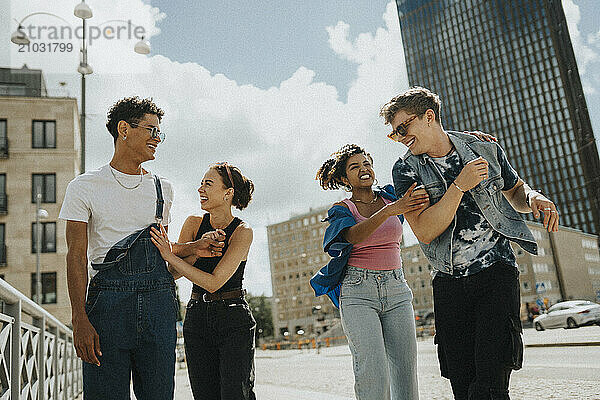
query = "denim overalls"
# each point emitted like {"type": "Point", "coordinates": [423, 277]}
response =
{"type": "Point", "coordinates": [132, 304]}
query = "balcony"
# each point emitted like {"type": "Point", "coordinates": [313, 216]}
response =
{"type": "Point", "coordinates": [3, 204]}
{"type": "Point", "coordinates": [3, 147]}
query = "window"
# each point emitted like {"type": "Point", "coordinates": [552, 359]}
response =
{"type": "Point", "coordinates": [48, 237]}
{"type": "Point", "coordinates": [48, 287]}
{"type": "Point", "coordinates": [3, 198]}
{"type": "Point", "coordinates": [3, 139]}
{"type": "Point", "coordinates": [43, 135]}
{"type": "Point", "coordinates": [2, 245]}
{"type": "Point", "coordinates": [44, 184]}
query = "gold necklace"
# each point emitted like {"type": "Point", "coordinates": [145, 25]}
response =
{"type": "Point", "coordinates": [366, 202]}
{"type": "Point", "coordinates": [127, 187]}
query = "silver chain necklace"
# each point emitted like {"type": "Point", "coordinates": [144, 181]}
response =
{"type": "Point", "coordinates": [123, 186]}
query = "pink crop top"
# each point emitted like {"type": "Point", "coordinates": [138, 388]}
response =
{"type": "Point", "coordinates": [381, 250]}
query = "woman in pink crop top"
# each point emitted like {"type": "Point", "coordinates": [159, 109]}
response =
{"type": "Point", "coordinates": [375, 301]}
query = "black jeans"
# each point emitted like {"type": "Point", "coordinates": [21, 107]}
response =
{"type": "Point", "coordinates": [478, 331]}
{"type": "Point", "coordinates": [219, 349]}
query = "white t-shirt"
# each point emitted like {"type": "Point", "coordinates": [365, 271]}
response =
{"type": "Point", "coordinates": [111, 211]}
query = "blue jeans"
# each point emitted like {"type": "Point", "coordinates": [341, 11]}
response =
{"type": "Point", "coordinates": [378, 319]}
{"type": "Point", "coordinates": [132, 304]}
{"type": "Point", "coordinates": [219, 349]}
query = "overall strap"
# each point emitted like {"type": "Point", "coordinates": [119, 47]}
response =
{"type": "Point", "coordinates": [159, 200]}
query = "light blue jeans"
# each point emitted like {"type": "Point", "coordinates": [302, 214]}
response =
{"type": "Point", "coordinates": [378, 319]}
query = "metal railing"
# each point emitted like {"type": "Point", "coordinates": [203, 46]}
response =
{"type": "Point", "coordinates": [37, 359]}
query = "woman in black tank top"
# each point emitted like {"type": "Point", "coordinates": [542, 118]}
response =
{"type": "Point", "coordinates": [219, 328]}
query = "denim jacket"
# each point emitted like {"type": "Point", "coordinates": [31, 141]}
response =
{"type": "Point", "coordinates": [487, 194]}
{"type": "Point", "coordinates": [329, 278]}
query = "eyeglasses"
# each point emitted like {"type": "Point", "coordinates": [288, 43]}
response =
{"type": "Point", "coordinates": [155, 133]}
{"type": "Point", "coordinates": [220, 164]}
{"type": "Point", "coordinates": [401, 130]}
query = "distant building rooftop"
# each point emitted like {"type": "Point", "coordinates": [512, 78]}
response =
{"type": "Point", "coordinates": [22, 82]}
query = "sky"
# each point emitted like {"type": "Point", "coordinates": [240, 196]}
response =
{"type": "Point", "coordinates": [273, 90]}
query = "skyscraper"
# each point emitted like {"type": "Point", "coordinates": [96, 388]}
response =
{"type": "Point", "coordinates": [507, 67]}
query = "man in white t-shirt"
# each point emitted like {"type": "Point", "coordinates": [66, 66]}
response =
{"type": "Point", "coordinates": [127, 325]}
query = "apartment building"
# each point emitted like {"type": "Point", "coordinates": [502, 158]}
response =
{"type": "Point", "coordinates": [39, 152]}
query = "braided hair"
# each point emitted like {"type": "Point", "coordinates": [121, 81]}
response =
{"type": "Point", "coordinates": [334, 169]}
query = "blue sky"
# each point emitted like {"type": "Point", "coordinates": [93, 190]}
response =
{"type": "Point", "coordinates": [271, 89]}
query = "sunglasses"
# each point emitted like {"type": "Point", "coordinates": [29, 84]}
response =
{"type": "Point", "coordinates": [155, 133]}
{"type": "Point", "coordinates": [401, 130]}
{"type": "Point", "coordinates": [219, 164]}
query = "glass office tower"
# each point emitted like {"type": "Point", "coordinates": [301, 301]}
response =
{"type": "Point", "coordinates": [507, 67]}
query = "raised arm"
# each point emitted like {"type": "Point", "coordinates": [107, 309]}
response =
{"type": "Point", "coordinates": [239, 246]}
{"type": "Point", "coordinates": [429, 223]}
{"type": "Point", "coordinates": [411, 201]}
{"type": "Point", "coordinates": [85, 337]}
{"type": "Point", "coordinates": [525, 200]}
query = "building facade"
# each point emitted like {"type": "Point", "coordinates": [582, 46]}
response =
{"type": "Point", "coordinates": [296, 254]}
{"type": "Point", "coordinates": [39, 151]}
{"type": "Point", "coordinates": [567, 267]}
{"type": "Point", "coordinates": [507, 67]}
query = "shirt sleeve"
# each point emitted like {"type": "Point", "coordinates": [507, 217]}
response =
{"type": "Point", "coordinates": [76, 206]}
{"type": "Point", "coordinates": [403, 176]}
{"type": "Point", "coordinates": [509, 175]}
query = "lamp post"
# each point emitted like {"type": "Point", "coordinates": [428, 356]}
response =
{"type": "Point", "coordinates": [84, 12]}
{"type": "Point", "coordinates": [39, 214]}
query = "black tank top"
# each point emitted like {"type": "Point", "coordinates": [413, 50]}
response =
{"type": "Point", "coordinates": [208, 264]}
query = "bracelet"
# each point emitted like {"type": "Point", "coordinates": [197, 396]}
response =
{"type": "Point", "coordinates": [458, 187]}
{"type": "Point", "coordinates": [528, 197]}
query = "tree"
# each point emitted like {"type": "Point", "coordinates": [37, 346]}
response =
{"type": "Point", "coordinates": [261, 309]}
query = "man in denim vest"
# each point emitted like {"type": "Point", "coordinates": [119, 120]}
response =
{"type": "Point", "coordinates": [475, 200]}
{"type": "Point", "coordinates": [125, 327]}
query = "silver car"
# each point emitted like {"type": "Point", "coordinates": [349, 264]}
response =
{"type": "Point", "coordinates": [569, 314]}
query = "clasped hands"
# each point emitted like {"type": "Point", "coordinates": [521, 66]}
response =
{"type": "Point", "coordinates": [210, 244]}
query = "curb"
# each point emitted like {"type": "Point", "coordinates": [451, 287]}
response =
{"type": "Point", "coordinates": [563, 344]}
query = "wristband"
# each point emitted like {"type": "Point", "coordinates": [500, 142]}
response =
{"type": "Point", "coordinates": [528, 197]}
{"type": "Point", "coordinates": [458, 187]}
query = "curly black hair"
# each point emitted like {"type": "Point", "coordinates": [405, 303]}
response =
{"type": "Point", "coordinates": [242, 186]}
{"type": "Point", "coordinates": [334, 169]}
{"type": "Point", "coordinates": [130, 109]}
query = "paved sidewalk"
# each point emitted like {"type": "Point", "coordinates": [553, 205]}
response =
{"type": "Point", "coordinates": [557, 371]}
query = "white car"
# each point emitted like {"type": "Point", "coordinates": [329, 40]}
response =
{"type": "Point", "coordinates": [569, 314]}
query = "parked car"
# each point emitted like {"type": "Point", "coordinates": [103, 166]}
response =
{"type": "Point", "coordinates": [569, 314]}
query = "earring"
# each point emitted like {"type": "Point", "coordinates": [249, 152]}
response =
{"type": "Point", "coordinates": [124, 137]}
{"type": "Point", "coordinates": [376, 182]}
{"type": "Point", "coordinates": [348, 188]}
{"type": "Point", "coordinates": [429, 124]}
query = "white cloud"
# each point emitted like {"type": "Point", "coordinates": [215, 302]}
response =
{"type": "Point", "coordinates": [584, 54]}
{"type": "Point", "coordinates": [278, 137]}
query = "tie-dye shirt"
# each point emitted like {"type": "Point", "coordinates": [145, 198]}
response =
{"type": "Point", "coordinates": [475, 244]}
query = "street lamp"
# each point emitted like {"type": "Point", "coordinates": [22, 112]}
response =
{"type": "Point", "coordinates": [84, 12]}
{"type": "Point", "coordinates": [39, 214]}
{"type": "Point", "coordinates": [142, 47]}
